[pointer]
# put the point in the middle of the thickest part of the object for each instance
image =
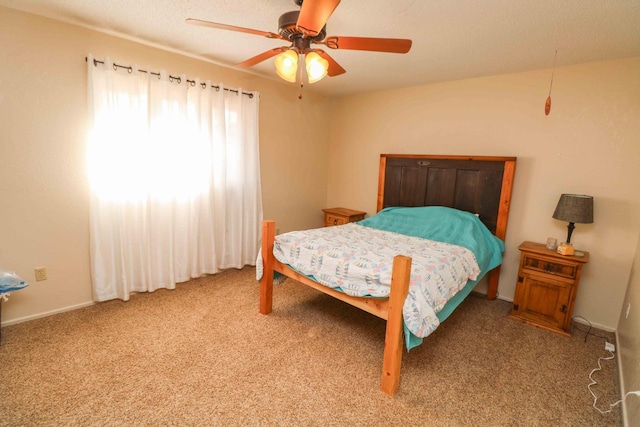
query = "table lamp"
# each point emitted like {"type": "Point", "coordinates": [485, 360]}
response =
{"type": "Point", "coordinates": [574, 208]}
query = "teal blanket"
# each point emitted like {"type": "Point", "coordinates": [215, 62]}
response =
{"type": "Point", "coordinates": [444, 225]}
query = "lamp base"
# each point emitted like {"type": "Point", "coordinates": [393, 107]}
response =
{"type": "Point", "coordinates": [570, 228]}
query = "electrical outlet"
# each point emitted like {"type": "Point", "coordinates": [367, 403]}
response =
{"type": "Point", "coordinates": [41, 274]}
{"type": "Point", "coordinates": [609, 347]}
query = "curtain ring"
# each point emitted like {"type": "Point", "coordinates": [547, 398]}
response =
{"type": "Point", "coordinates": [204, 85]}
{"type": "Point", "coordinates": [179, 79]}
{"type": "Point", "coordinates": [171, 78]}
{"type": "Point", "coordinates": [130, 69]}
{"type": "Point", "coordinates": [115, 66]}
{"type": "Point", "coordinates": [217, 88]}
{"type": "Point", "coordinates": [250, 96]}
{"type": "Point", "coordinates": [95, 62]}
{"type": "Point", "coordinates": [192, 83]}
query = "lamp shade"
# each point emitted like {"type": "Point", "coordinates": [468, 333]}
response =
{"type": "Point", "coordinates": [317, 67]}
{"type": "Point", "coordinates": [287, 65]}
{"type": "Point", "coordinates": [576, 208]}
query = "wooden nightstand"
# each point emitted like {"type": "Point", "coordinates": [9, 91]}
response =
{"type": "Point", "coordinates": [340, 216]}
{"type": "Point", "coordinates": [546, 287]}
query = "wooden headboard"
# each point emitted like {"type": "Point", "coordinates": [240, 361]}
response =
{"type": "Point", "coordinates": [478, 184]}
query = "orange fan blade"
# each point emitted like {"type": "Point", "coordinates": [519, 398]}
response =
{"type": "Point", "coordinates": [314, 14]}
{"type": "Point", "coordinates": [233, 28]}
{"type": "Point", "coordinates": [262, 57]}
{"type": "Point", "coordinates": [334, 68]}
{"type": "Point", "coordinates": [368, 43]}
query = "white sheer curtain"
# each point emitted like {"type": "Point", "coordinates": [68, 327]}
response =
{"type": "Point", "coordinates": [175, 179]}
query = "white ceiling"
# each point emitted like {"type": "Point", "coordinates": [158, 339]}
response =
{"type": "Point", "coordinates": [452, 39]}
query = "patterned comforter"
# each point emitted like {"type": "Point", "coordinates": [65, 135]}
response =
{"type": "Point", "coordinates": [357, 260]}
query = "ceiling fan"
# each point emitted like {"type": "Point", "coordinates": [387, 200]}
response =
{"type": "Point", "coordinates": [305, 27]}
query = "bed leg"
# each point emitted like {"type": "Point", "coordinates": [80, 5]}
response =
{"type": "Point", "coordinates": [492, 289]}
{"type": "Point", "coordinates": [393, 337]}
{"type": "Point", "coordinates": [266, 283]}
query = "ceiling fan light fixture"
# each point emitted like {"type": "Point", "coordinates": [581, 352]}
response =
{"type": "Point", "coordinates": [302, 29]}
{"type": "Point", "coordinates": [287, 65]}
{"type": "Point", "coordinates": [317, 67]}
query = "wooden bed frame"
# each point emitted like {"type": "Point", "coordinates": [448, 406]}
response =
{"type": "Point", "coordinates": [477, 184]}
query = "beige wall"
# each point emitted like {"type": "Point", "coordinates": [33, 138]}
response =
{"type": "Point", "coordinates": [44, 208]}
{"type": "Point", "coordinates": [629, 342]}
{"type": "Point", "coordinates": [588, 144]}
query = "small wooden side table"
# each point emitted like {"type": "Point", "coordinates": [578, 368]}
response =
{"type": "Point", "coordinates": [340, 216]}
{"type": "Point", "coordinates": [547, 286]}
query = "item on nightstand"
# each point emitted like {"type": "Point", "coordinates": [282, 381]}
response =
{"type": "Point", "coordinates": [565, 249]}
{"type": "Point", "coordinates": [552, 243]}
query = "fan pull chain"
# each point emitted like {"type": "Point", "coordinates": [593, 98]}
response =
{"type": "Point", "coordinates": [547, 104]}
{"type": "Point", "coordinates": [301, 82]}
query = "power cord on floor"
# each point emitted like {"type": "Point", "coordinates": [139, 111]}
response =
{"type": "Point", "coordinates": [588, 331]}
{"type": "Point", "coordinates": [594, 382]}
{"type": "Point", "coordinates": [610, 357]}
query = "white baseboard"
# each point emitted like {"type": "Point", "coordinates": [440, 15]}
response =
{"type": "Point", "coordinates": [46, 313]}
{"type": "Point", "coordinates": [595, 325]}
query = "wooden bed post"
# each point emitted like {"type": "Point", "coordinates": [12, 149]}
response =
{"type": "Point", "coordinates": [492, 287]}
{"type": "Point", "coordinates": [266, 282]}
{"type": "Point", "coordinates": [393, 336]}
{"type": "Point", "coordinates": [503, 217]}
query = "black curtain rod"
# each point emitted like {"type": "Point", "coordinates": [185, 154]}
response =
{"type": "Point", "coordinates": [171, 78]}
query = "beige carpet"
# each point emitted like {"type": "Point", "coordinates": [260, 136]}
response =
{"type": "Point", "coordinates": [203, 355]}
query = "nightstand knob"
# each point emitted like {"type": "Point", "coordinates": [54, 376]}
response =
{"type": "Point", "coordinates": [335, 221]}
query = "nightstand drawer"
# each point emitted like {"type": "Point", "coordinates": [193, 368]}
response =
{"type": "Point", "coordinates": [541, 265]}
{"type": "Point", "coordinates": [330, 220]}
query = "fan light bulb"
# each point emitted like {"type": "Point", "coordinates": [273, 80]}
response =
{"type": "Point", "coordinates": [317, 67]}
{"type": "Point", "coordinates": [287, 65]}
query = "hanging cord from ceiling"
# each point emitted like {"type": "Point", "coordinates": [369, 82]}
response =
{"type": "Point", "coordinates": [547, 104]}
{"type": "Point", "coordinates": [171, 78]}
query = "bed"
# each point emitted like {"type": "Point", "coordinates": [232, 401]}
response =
{"type": "Point", "coordinates": [475, 188]}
